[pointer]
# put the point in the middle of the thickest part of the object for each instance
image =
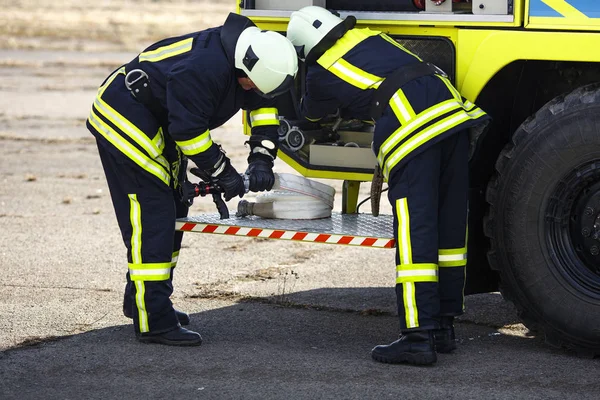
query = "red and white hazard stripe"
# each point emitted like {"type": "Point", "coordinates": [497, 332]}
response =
{"type": "Point", "coordinates": [285, 235]}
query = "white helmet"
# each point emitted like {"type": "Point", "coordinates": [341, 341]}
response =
{"type": "Point", "coordinates": [313, 29]}
{"type": "Point", "coordinates": [268, 58]}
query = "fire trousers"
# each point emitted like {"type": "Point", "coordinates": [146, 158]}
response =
{"type": "Point", "coordinates": [429, 196]}
{"type": "Point", "coordinates": [146, 211]}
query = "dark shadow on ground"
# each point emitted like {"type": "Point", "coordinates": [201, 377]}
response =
{"type": "Point", "coordinates": [254, 350]}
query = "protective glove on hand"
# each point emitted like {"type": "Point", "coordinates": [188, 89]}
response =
{"type": "Point", "coordinates": [230, 181]}
{"type": "Point", "coordinates": [263, 151]}
{"type": "Point", "coordinates": [260, 174]}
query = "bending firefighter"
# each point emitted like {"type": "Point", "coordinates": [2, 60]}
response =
{"type": "Point", "coordinates": [153, 114]}
{"type": "Point", "coordinates": [421, 143]}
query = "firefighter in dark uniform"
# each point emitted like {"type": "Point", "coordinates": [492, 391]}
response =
{"type": "Point", "coordinates": [153, 114]}
{"type": "Point", "coordinates": [421, 143]}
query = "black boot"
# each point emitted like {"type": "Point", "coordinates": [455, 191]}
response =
{"type": "Point", "coordinates": [128, 304]}
{"type": "Point", "coordinates": [445, 340]}
{"type": "Point", "coordinates": [183, 318]}
{"type": "Point", "coordinates": [175, 337]}
{"type": "Point", "coordinates": [413, 348]}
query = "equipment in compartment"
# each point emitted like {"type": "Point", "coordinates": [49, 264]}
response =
{"type": "Point", "coordinates": [375, 5]}
{"type": "Point", "coordinates": [288, 5]}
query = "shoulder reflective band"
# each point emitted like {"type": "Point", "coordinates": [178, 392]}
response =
{"type": "Point", "coordinates": [344, 44]}
{"type": "Point", "coordinates": [172, 50]}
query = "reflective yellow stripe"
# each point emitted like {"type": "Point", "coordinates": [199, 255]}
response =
{"type": "Point", "coordinates": [172, 50]}
{"type": "Point", "coordinates": [111, 78]}
{"type": "Point", "coordinates": [174, 259]}
{"type": "Point", "coordinates": [313, 119]}
{"type": "Point", "coordinates": [395, 43]}
{"type": "Point", "coordinates": [452, 257]}
{"type": "Point", "coordinates": [451, 88]}
{"type": "Point", "coordinates": [196, 145]}
{"type": "Point", "coordinates": [416, 273]}
{"type": "Point", "coordinates": [135, 217]}
{"type": "Point", "coordinates": [128, 149]}
{"type": "Point", "coordinates": [159, 140]}
{"type": "Point", "coordinates": [128, 128]}
{"type": "Point", "coordinates": [423, 118]}
{"type": "Point", "coordinates": [153, 149]}
{"type": "Point", "coordinates": [402, 108]}
{"type": "Point", "coordinates": [344, 45]}
{"type": "Point", "coordinates": [150, 271]}
{"type": "Point", "coordinates": [427, 134]}
{"type": "Point", "coordinates": [404, 246]}
{"type": "Point", "coordinates": [411, 313]}
{"type": "Point", "coordinates": [140, 302]}
{"type": "Point", "coordinates": [354, 76]}
{"type": "Point", "coordinates": [264, 116]}
{"type": "Point", "coordinates": [408, 273]}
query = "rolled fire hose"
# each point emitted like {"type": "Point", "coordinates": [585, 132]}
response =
{"type": "Point", "coordinates": [292, 197]}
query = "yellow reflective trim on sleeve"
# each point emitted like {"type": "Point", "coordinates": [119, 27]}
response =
{"type": "Point", "coordinates": [135, 217]}
{"type": "Point", "coordinates": [427, 134]}
{"type": "Point", "coordinates": [128, 149]}
{"type": "Point", "coordinates": [417, 273]}
{"type": "Point", "coordinates": [172, 50]}
{"type": "Point", "coordinates": [423, 118]}
{"type": "Point", "coordinates": [140, 303]}
{"type": "Point", "coordinates": [344, 45]}
{"type": "Point", "coordinates": [402, 108]}
{"type": "Point", "coordinates": [313, 119]}
{"type": "Point", "coordinates": [354, 76]}
{"type": "Point", "coordinates": [395, 43]}
{"type": "Point", "coordinates": [196, 145]}
{"type": "Point", "coordinates": [150, 271]}
{"type": "Point", "coordinates": [264, 116]}
{"type": "Point", "coordinates": [411, 313]}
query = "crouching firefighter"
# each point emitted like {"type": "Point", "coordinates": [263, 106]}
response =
{"type": "Point", "coordinates": [152, 115]}
{"type": "Point", "coordinates": [421, 142]}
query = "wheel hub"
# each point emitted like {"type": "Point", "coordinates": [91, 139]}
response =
{"type": "Point", "coordinates": [585, 227]}
{"type": "Point", "coordinates": [572, 228]}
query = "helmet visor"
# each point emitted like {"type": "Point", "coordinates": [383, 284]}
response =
{"type": "Point", "coordinates": [285, 86]}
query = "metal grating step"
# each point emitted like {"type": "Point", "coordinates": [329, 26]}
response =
{"type": "Point", "coordinates": [346, 229]}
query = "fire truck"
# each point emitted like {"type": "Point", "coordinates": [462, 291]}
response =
{"type": "Point", "coordinates": [534, 224]}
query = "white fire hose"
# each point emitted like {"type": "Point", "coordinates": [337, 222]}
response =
{"type": "Point", "coordinates": [292, 197]}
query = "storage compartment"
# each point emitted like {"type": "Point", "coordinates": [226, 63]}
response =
{"type": "Point", "coordinates": [286, 5]}
{"type": "Point", "coordinates": [375, 5]}
{"type": "Point", "coordinates": [355, 153]}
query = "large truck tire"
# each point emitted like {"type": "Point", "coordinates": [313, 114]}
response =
{"type": "Point", "coordinates": [544, 221]}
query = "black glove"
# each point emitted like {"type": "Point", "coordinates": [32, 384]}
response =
{"type": "Point", "coordinates": [225, 176]}
{"type": "Point", "coordinates": [260, 174]}
{"type": "Point", "coordinates": [263, 151]}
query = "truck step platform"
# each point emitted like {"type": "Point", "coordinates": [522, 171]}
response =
{"type": "Point", "coordinates": [347, 229]}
